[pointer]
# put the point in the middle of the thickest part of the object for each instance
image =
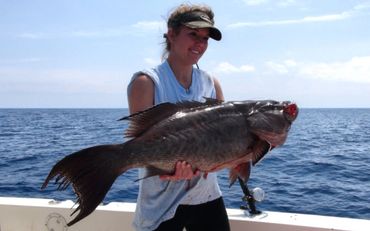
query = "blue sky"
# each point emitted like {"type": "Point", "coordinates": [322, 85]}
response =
{"type": "Point", "coordinates": [81, 54]}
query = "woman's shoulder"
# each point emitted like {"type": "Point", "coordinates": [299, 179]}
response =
{"type": "Point", "coordinates": [141, 82]}
{"type": "Point", "coordinates": [142, 79]}
{"type": "Point", "coordinates": [204, 76]}
{"type": "Point", "coordinates": [149, 75]}
{"type": "Point", "coordinates": [202, 72]}
{"type": "Point", "coordinates": [211, 81]}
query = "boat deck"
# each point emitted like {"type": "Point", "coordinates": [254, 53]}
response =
{"type": "Point", "coordinates": [26, 214]}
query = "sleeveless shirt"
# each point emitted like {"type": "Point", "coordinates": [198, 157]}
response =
{"type": "Point", "coordinates": [158, 199]}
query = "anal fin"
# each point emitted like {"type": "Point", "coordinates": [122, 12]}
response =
{"type": "Point", "coordinates": [242, 170]}
{"type": "Point", "coordinates": [153, 171]}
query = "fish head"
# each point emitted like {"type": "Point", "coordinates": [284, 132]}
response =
{"type": "Point", "coordinates": [269, 120]}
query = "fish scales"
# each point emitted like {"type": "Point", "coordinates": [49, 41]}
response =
{"type": "Point", "coordinates": [205, 139]}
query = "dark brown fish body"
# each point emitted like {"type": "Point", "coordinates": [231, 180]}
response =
{"type": "Point", "coordinates": [209, 136]}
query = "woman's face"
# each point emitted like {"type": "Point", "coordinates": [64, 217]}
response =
{"type": "Point", "coordinates": [189, 44]}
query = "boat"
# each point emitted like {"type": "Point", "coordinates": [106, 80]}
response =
{"type": "Point", "coordinates": [40, 214]}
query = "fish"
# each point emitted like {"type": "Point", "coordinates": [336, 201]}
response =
{"type": "Point", "coordinates": [210, 136]}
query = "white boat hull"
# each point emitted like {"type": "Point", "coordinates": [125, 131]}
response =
{"type": "Point", "coordinates": [27, 214]}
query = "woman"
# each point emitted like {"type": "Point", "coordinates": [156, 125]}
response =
{"type": "Point", "coordinates": [185, 199]}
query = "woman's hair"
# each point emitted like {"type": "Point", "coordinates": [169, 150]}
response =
{"type": "Point", "coordinates": [175, 21]}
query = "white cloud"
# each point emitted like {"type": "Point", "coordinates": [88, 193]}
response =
{"type": "Point", "coordinates": [255, 2]}
{"type": "Point", "coordinates": [225, 67]}
{"type": "Point", "coordinates": [103, 33]}
{"type": "Point", "coordinates": [281, 68]}
{"type": "Point", "coordinates": [355, 11]}
{"type": "Point", "coordinates": [60, 80]}
{"type": "Point", "coordinates": [285, 3]}
{"type": "Point", "coordinates": [135, 29]}
{"type": "Point", "coordinates": [34, 35]}
{"type": "Point", "coordinates": [20, 61]}
{"type": "Point", "coordinates": [149, 25]}
{"type": "Point", "coordinates": [282, 3]}
{"type": "Point", "coordinates": [308, 19]}
{"type": "Point", "coordinates": [362, 6]}
{"type": "Point", "coordinates": [356, 70]}
{"type": "Point", "coordinates": [152, 62]}
{"type": "Point", "coordinates": [55, 88]}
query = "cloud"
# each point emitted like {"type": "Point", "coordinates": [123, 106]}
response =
{"type": "Point", "coordinates": [149, 25]}
{"type": "Point", "coordinates": [60, 80]}
{"type": "Point", "coordinates": [136, 29]}
{"type": "Point", "coordinates": [281, 68]}
{"type": "Point", "coordinates": [362, 6]}
{"type": "Point", "coordinates": [88, 34]}
{"type": "Point", "coordinates": [255, 2]}
{"type": "Point", "coordinates": [152, 62]}
{"type": "Point", "coordinates": [104, 33]}
{"type": "Point", "coordinates": [225, 67]}
{"type": "Point", "coordinates": [285, 3]}
{"type": "Point", "coordinates": [55, 88]}
{"type": "Point", "coordinates": [29, 35]}
{"type": "Point", "coordinates": [355, 11]}
{"type": "Point", "coordinates": [356, 70]}
{"type": "Point", "coordinates": [20, 61]}
{"type": "Point", "coordinates": [282, 3]}
{"type": "Point", "coordinates": [308, 19]}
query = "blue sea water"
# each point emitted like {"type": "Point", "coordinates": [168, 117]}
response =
{"type": "Point", "coordinates": [323, 168]}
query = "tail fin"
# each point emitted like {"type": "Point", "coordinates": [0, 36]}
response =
{"type": "Point", "coordinates": [91, 172]}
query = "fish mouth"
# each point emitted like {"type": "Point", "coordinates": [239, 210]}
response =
{"type": "Point", "coordinates": [291, 111]}
{"type": "Point", "coordinates": [273, 125]}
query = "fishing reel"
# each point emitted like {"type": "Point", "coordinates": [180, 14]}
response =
{"type": "Point", "coordinates": [250, 198]}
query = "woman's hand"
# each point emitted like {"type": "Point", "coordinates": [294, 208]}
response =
{"type": "Point", "coordinates": [183, 171]}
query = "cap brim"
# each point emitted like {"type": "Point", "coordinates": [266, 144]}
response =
{"type": "Point", "coordinates": [214, 33]}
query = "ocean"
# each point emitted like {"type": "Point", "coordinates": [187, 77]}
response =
{"type": "Point", "coordinates": [323, 168]}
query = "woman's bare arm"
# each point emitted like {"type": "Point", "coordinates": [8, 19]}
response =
{"type": "Point", "coordinates": [140, 98]}
{"type": "Point", "coordinates": [219, 94]}
{"type": "Point", "coordinates": [141, 95]}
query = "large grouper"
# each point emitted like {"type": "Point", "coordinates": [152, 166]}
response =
{"type": "Point", "coordinates": [209, 135]}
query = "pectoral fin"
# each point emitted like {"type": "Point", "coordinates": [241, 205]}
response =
{"type": "Point", "coordinates": [242, 170]}
{"type": "Point", "coordinates": [260, 150]}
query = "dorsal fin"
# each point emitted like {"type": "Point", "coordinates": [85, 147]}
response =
{"type": "Point", "coordinates": [188, 106]}
{"type": "Point", "coordinates": [143, 120]}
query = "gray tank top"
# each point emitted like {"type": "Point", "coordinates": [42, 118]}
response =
{"type": "Point", "coordinates": [158, 199]}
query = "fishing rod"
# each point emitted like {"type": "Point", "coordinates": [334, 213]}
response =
{"type": "Point", "coordinates": [250, 197]}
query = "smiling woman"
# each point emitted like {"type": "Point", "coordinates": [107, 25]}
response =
{"type": "Point", "coordinates": [192, 17]}
{"type": "Point", "coordinates": [184, 199]}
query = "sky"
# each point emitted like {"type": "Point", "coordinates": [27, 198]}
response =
{"type": "Point", "coordinates": [82, 53]}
